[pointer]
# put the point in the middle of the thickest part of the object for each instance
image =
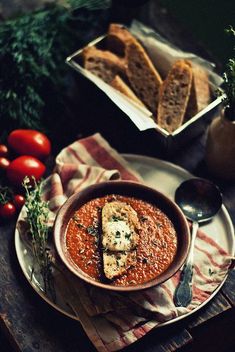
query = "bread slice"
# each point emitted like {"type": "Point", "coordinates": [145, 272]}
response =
{"type": "Point", "coordinates": [142, 75]}
{"type": "Point", "coordinates": [119, 227]}
{"type": "Point", "coordinates": [174, 96]}
{"type": "Point", "coordinates": [122, 87]}
{"type": "Point", "coordinates": [120, 237]}
{"type": "Point", "coordinates": [117, 263]}
{"type": "Point", "coordinates": [103, 63]}
{"type": "Point", "coordinates": [118, 37]}
{"type": "Point", "coordinates": [200, 92]}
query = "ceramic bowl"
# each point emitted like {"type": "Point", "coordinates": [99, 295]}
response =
{"type": "Point", "coordinates": [130, 189]}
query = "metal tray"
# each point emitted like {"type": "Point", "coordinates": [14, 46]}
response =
{"type": "Point", "coordinates": [145, 127]}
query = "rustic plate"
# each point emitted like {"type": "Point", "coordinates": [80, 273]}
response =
{"type": "Point", "coordinates": [163, 176]}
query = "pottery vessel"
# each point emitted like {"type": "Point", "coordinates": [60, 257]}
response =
{"type": "Point", "coordinates": [220, 148]}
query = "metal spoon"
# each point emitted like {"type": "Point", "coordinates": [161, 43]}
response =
{"type": "Point", "coordinates": [199, 200]}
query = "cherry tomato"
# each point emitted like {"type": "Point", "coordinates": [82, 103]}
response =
{"type": "Point", "coordinates": [7, 211]}
{"type": "Point", "coordinates": [3, 150]}
{"type": "Point", "coordinates": [4, 163]}
{"type": "Point", "coordinates": [30, 142]}
{"type": "Point", "coordinates": [24, 166]}
{"type": "Point", "coordinates": [19, 201]}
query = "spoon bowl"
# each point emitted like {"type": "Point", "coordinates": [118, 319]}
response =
{"type": "Point", "coordinates": [199, 199]}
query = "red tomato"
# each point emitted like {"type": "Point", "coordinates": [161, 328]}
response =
{"type": "Point", "coordinates": [30, 142]}
{"type": "Point", "coordinates": [3, 150]}
{"type": "Point", "coordinates": [24, 166]}
{"type": "Point", "coordinates": [4, 163]}
{"type": "Point", "coordinates": [19, 201]}
{"type": "Point", "coordinates": [7, 211]}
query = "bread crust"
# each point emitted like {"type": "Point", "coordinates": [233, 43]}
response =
{"type": "Point", "coordinates": [174, 96]}
{"type": "Point", "coordinates": [118, 37]}
{"type": "Point", "coordinates": [143, 77]}
{"type": "Point", "coordinates": [200, 92]}
{"type": "Point", "coordinates": [122, 87]}
{"type": "Point", "coordinates": [103, 63]}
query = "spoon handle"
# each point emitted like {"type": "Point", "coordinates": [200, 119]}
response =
{"type": "Point", "coordinates": [183, 292]}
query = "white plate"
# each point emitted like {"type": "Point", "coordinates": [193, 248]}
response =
{"type": "Point", "coordinates": [165, 177]}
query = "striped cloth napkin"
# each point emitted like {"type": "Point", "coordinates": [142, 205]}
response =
{"type": "Point", "coordinates": [112, 320]}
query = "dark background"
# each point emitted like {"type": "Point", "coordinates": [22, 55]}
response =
{"type": "Point", "coordinates": [206, 20]}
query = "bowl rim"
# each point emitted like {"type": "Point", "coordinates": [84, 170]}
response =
{"type": "Point", "coordinates": [61, 223]}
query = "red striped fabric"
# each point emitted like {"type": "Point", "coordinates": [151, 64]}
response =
{"type": "Point", "coordinates": [119, 320]}
{"type": "Point", "coordinates": [84, 179]}
{"type": "Point", "coordinates": [212, 259]}
{"type": "Point", "coordinates": [66, 173]}
{"type": "Point", "coordinates": [105, 159]}
{"type": "Point", "coordinates": [75, 154]}
{"type": "Point", "coordinates": [211, 242]}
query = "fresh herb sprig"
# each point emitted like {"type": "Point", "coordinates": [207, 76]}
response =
{"type": "Point", "coordinates": [37, 218]}
{"type": "Point", "coordinates": [229, 82]}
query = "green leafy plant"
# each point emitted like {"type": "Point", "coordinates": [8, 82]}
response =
{"type": "Point", "coordinates": [89, 4]}
{"type": "Point", "coordinates": [229, 83]}
{"type": "Point", "coordinates": [33, 73]}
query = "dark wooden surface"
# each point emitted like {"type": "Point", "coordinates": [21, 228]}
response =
{"type": "Point", "coordinates": [29, 324]}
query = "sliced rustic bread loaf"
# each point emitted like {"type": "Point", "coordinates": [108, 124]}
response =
{"type": "Point", "coordinates": [174, 96]}
{"type": "Point", "coordinates": [122, 87]}
{"type": "Point", "coordinates": [118, 37]}
{"type": "Point", "coordinates": [200, 92]}
{"type": "Point", "coordinates": [142, 75]}
{"type": "Point", "coordinates": [103, 64]}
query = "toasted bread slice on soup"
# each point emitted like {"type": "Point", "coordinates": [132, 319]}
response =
{"type": "Point", "coordinates": [120, 226]}
{"type": "Point", "coordinates": [103, 63]}
{"type": "Point", "coordinates": [117, 263]}
{"type": "Point", "coordinates": [174, 96]}
{"type": "Point", "coordinates": [122, 87]}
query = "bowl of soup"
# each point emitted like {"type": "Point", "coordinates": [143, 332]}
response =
{"type": "Point", "coordinates": [121, 236]}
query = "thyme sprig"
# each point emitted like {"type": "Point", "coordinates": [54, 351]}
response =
{"type": "Point", "coordinates": [5, 194]}
{"type": "Point", "coordinates": [37, 218]}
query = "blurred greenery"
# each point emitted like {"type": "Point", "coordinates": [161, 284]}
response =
{"type": "Point", "coordinates": [207, 20]}
{"type": "Point", "coordinates": [34, 79]}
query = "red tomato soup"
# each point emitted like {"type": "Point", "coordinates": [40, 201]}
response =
{"type": "Point", "coordinates": [155, 251]}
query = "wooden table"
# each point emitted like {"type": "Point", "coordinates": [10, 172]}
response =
{"type": "Point", "coordinates": [29, 324]}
